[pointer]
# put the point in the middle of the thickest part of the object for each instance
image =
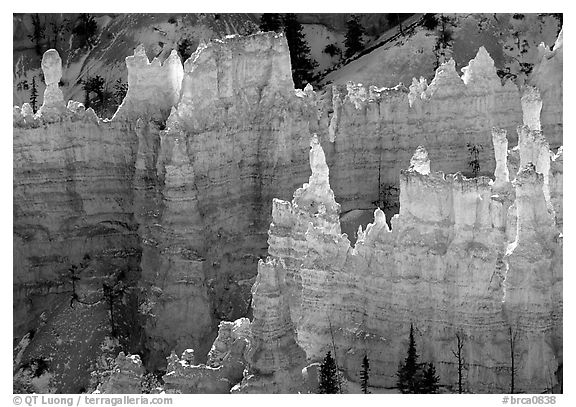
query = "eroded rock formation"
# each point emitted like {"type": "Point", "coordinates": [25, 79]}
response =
{"type": "Point", "coordinates": [445, 266]}
{"type": "Point", "coordinates": [126, 377]}
{"type": "Point", "coordinates": [175, 193]}
{"type": "Point", "coordinates": [225, 368]}
{"type": "Point", "coordinates": [274, 359]}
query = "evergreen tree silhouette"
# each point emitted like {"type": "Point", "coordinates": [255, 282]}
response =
{"type": "Point", "coordinates": [408, 371]}
{"type": "Point", "coordinates": [430, 380]}
{"type": "Point", "coordinates": [34, 95]}
{"type": "Point", "coordinates": [353, 41]}
{"type": "Point", "coordinates": [302, 65]}
{"type": "Point", "coordinates": [38, 33]}
{"type": "Point", "coordinates": [328, 376]}
{"type": "Point", "coordinates": [430, 21]}
{"type": "Point", "coordinates": [86, 29]}
{"type": "Point", "coordinates": [270, 22]}
{"type": "Point", "coordinates": [364, 376]}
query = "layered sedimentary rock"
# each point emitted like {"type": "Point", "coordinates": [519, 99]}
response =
{"type": "Point", "coordinates": [385, 125]}
{"type": "Point", "coordinates": [532, 302]}
{"type": "Point", "coordinates": [547, 76]}
{"type": "Point", "coordinates": [187, 170]}
{"type": "Point", "coordinates": [72, 197]}
{"type": "Point", "coordinates": [225, 367]}
{"type": "Point", "coordinates": [73, 205]}
{"type": "Point", "coordinates": [313, 203]}
{"type": "Point", "coordinates": [231, 144]}
{"type": "Point", "coordinates": [446, 267]}
{"type": "Point", "coordinates": [274, 359]}
{"type": "Point", "coordinates": [153, 87]}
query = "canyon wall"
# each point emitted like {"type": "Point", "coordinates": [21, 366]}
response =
{"type": "Point", "coordinates": [176, 192]}
{"type": "Point", "coordinates": [446, 266]}
{"type": "Point", "coordinates": [230, 145]}
{"type": "Point", "coordinates": [385, 125]}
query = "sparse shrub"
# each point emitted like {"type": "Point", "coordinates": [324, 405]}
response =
{"type": "Point", "coordinates": [474, 157]}
{"type": "Point", "coordinates": [120, 91]}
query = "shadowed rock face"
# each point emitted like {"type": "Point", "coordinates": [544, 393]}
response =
{"type": "Point", "coordinates": [176, 192]}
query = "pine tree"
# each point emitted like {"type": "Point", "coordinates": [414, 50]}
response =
{"type": "Point", "coordinates": [328, 376]}
{"type": "Point", "coordinates": [86, 29]}
{"type": "Point", "coordinates": [364, 377]}
{"type": "Point", "coordinates": [270, 22]}
{"type": "Point", "coordinates": [407, 372]}
{"type": "Point", "coordinates": [38, 33]}
{"type": "Point", "coordinates": [430, 21]}
{"type": "Point", "coordinates": [94, 84]}
{"type": "Point", "coordinates": [34, 95]}
{"type": "Point", "coordinates": [353, 41]}
{"type": "Point", "coordinates": [429, 380]}
{"type": "Point", "coordinates": [302, 65]}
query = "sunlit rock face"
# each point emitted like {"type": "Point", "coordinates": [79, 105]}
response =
{"type": "Point", "coordinates": [386, 125]}
{"type": "Point", "coordinates": [444, 266]}
{"type": "Point", "coordinates": [53, 105]}
{"type": "Point", "coordinates": [224, 369]}
{"type": "Point", "coordinates": [234, 141]}
{"type": "Point", "coordinates": [547, 77]}
{"type": "Point", "coordinates": [153, 87]}
{"type": "Point", "coordinates": [533, 284]}
{"type": "Point", "coordinates": [178, 189]}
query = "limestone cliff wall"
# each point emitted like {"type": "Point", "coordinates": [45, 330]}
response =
{"type": "Point", "coordinates": [385, 125]}
{"type": "Point", "coordinates": [231, 144]}
{"type": "Point", "coordinates": [73, 204]}
{"type": "Point", "coordinates": [153, 87]}
{"type": "Point", "coordinates": [445, 266]}
{"type": "Point", "coordinates": [72, 197]}
{"type": "Point", "coordinates": [547, 76]}
{"type": "Point", "coordinates": [179, 186]}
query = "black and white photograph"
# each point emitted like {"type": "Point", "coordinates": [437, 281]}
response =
{"type": "Point", "coordinates": [287, 203]}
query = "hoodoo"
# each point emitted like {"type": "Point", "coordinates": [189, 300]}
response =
{"type": "Point", "coordinates": [217, 216]}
